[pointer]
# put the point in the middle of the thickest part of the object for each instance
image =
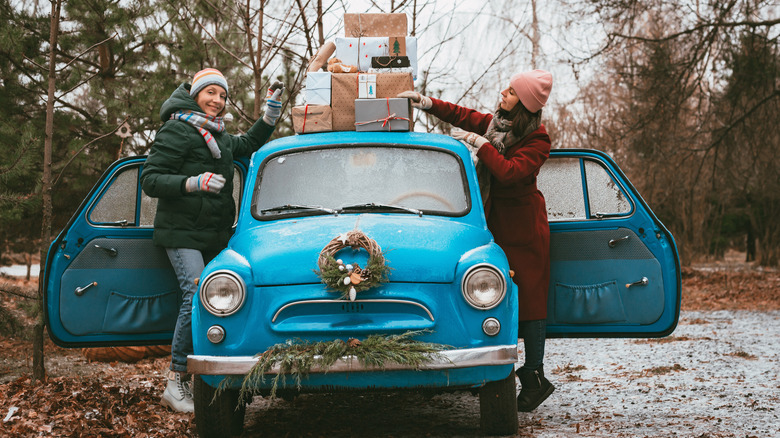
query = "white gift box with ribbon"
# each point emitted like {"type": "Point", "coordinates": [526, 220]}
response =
{"type": "Point", "coordinates": [317, 91]}
{"type": "Point", "coordinates": [359, 51]}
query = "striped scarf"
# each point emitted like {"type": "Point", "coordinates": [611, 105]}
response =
{"type": "Point", "coordinates": [205, 124]}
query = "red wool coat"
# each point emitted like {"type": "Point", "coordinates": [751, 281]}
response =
{"type": "Point", "coordinates": [516, 212]}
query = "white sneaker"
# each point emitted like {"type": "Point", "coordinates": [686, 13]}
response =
{"type": "Point", "coordinates": [178, 393]}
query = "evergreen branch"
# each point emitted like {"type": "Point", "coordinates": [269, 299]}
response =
{"type": "Point", "coordinates": [56, 180]}
{"type": "Point", "coordinates": [744, 116]}
{"type": "Point", "coordinates": [219, 43]}
{"type": "Point", "coordinates": [297, 357]}
{"type": "Point", "coordinates": [35, 63]}
{"type": "Point", "coordinates": [76, 86]}
{"type": "Point", "coordinates": [85, 51]}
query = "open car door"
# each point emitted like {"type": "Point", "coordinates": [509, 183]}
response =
{"type": "Point", "coordinates": [105, 282]}
{"type": "Point", "coordinates": [615, 269]}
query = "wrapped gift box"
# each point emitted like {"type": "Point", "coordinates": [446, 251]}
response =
{"type": "Point", "coordinates": [370, 25]}
{"type": "Point", "coordinates": [389, 114]}
{"type": "Point", "coordinates": [360, 51]}
{"type": "Point", "coordinates": [366, 86]}
{"type": "Point", "coordinates": [312, 118]}
{"type": "Point", "coordinates": [389, 61]}
{"type": "Point", "coordinates": [344, 91]}
{"type": "Point", "coordinates": [407, 70]}
{"type": "Point", "coordinates": [317, 91]}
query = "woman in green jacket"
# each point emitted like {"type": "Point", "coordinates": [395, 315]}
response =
{"type": "Point", "coordinates": [190, 171]}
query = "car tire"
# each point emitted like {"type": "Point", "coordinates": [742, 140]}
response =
{"type": "Point", "coordinates": [498, 407]}
{"type": "Point", "coordinates": [217, 411]}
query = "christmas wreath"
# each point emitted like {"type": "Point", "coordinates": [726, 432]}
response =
{"type": "Point", "coordinates": [350, 278]}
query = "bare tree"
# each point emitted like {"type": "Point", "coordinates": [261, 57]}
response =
{"type": "Point", "coordinates": [39, 370]}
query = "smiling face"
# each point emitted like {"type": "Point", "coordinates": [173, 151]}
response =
{"type": "Point", "coordinates": [212, 100]}
{"type": "Point", "coordinates": [509, 99]}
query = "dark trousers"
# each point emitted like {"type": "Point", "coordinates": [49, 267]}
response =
{"type": "Point", "coordinates": [533, 333]}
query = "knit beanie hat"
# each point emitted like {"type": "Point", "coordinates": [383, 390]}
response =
{"type": "Point", "coordinates": [206, 77]}
{"type": "Point", "coordinates": [533, 88]}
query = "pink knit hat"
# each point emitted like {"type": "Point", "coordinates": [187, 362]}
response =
{"type": "Point", "coordinates": [533, 88]}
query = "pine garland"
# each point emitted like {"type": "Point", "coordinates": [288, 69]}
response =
{"type": "Point", "coordinates": [297, 357]}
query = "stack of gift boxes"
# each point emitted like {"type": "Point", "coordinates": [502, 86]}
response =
{"type": "Point", "coordinates": [367, 68]}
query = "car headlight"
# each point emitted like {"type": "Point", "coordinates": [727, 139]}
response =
{"type": "Point", "coordinates": [483, 286]}
{"type": "Point", "coordinates": [223, 293]}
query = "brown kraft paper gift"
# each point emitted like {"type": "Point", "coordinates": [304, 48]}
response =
{"type": "Point", "coordinates": [311, 118]}
{"type": "Point", "coordinates": [344, 91]}
{"type": "Point", "coordinates": [374, 25]}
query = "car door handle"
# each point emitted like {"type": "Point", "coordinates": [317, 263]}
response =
{"type": "Point", "coordinates": [614, 242]}
{"type": "Point", "coordinates": [111, 251]}
{"type": "Point", "coordinates": [642, 282]}
{"type": "Point", "coordinates": [80, 290]}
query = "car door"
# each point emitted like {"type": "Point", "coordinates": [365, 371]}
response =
{"type": "Point", "coordinates": [614, 266]}
{"type": "Point", "coordinates": [105, 281]}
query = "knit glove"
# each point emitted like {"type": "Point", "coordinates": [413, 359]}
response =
{"type": "Point", "coordinates": [273, 103]}
{"type": "Point", "coordinates": [205, 182]}
{"type": "Point", "coordinates": [418, 100]}
{"type": "Point", "coordinates": [471, 138]}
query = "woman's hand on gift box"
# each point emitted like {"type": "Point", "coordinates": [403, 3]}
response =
{"type": "Point", "coordinates": [418, 100]}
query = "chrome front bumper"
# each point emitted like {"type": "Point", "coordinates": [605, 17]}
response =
{"type": "Point", "coordinates": [447, 359]}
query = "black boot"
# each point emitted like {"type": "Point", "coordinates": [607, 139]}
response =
{"type": "Point", "coordinates": [534, 389]}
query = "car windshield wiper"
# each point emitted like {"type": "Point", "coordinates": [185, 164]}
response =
{"type": "Point", "coordinates": [287, 207]}
{"type": "Point", "coordinates": [375, 206]}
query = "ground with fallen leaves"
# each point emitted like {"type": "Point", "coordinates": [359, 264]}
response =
{"type": "Point", "coordinates": [715, 376]}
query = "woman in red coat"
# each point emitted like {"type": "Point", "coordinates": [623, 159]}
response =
{"type": "Point", "coordinates": [511, 145]}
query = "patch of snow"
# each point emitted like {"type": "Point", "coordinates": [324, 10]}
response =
{"type": "Point", "coordinates": [20, 270]}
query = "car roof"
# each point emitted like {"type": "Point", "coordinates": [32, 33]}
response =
{"type": "Point", "coordinates": [357, 138]}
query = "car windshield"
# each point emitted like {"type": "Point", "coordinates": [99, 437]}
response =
{"type": "Point", "coordinates": [402, 180]}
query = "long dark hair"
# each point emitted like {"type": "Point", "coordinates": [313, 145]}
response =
{"type": "Point", "coordinates": [520, 117]}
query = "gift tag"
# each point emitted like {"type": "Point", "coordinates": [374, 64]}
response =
{"type": "Point", "coordinates": [397, 46]}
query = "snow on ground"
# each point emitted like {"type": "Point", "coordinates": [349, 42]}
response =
{"type": "Point", "coordinates": [716, 375]}
{"type": "Point", "coordinates": [19, 270]}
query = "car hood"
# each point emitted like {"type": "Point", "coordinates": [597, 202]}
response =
{"type": "Point", "coordinates": [417, 249]}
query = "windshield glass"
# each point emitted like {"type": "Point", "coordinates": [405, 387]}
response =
{"type": "Point", "coordinates": [356, 179]}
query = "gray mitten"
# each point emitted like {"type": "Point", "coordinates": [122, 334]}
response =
{"type": "Point", "coordinates": [205, 182]}
{"type": "Point", "coordinates": [273, 103]}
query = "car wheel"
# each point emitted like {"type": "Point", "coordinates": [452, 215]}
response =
{"type": "Point", "coordinates": [498, 407]}
{"type": "Point", "coordinates": [217, 411]}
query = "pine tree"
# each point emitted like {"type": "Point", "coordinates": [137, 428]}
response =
{"type": "Point", "coordinates": [747, 142]}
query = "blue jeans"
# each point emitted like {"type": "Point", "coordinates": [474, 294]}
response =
{"type": "Point", "coordinates": [188, 265]}
{"type": "Point", "coordinates": [533, 333]}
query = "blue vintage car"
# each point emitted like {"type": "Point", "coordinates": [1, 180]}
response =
{"type": "Point", "coordinates": [615, 268]}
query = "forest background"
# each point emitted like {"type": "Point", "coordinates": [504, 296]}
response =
{"type": "Point", "coordinates": [683, 94]}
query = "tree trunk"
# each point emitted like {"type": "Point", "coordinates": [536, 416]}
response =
{"type": "Point", "coordinates": [534, 36]}
{"type": "Point", "coordinates": [259, 95]}
{"type": "Point", "coordinates": [39, 369]}
{"type": "Point", "coordinates": [320, 31]}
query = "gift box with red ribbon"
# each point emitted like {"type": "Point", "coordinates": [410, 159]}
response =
{"type": "Point", "coordinates": [312, 118]}
{"type": "Point", "coordinates": [388, 114]}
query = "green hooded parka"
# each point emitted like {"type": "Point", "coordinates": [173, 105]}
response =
{"type": "Point", "coordinates": [197, 220]}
